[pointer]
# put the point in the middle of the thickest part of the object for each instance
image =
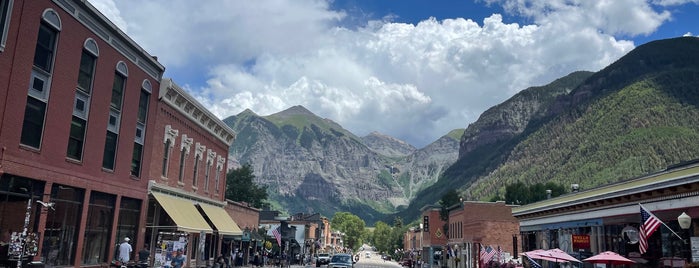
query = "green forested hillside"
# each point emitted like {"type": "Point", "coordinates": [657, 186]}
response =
{"type": "Point", "coordinates": [638, 115]}
{"type": "Point", "coordinates": [641, 128]}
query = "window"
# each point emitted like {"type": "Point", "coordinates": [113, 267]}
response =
{"type": "Point", "coordinates": [218, 180]}
{"type": "Point", "coordinates": [206, 176]}
{"type": "Point", "coordinates": [184, 152]}
{"type": "Point", "coordinates": [180, 177]}
{"type": "Point", "coordinates": [86, 71]}
{"type": "Point", "coordinates": [81, 105]}
{"type": "Point", "coordinates": [98, 229]}
{"type": "Point", "coordinates": [169, 141]}
{"type": "Point", "coordinates": [140, 133]}
{"type": "Point", "coordinates": [110, 144]}
{"type": "Point", "coordinates": [166, 156]}
{"type": "Point", "coordinates": [40, 80]}
{"type": "Point", "coordinates": [210, 158]}
{"type": "Point", "coordinates": [5, 10]}
{"type": "Point", "coordinates": [45, 45]}
{"type": "Point", "coordinates": [60, 237]}
{"type": "Point", "coordinates": [220, 162]}
{"type": "Point", "coordinates": [128, 224]}
{"type": "Point", "coordinates": [196, 170]}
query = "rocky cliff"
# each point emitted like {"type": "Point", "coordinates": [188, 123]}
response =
{"type": "Point", "coordinates": [311, 164]}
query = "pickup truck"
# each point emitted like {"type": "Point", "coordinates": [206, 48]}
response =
{"type": "Point", "coordinates": [322, 259]}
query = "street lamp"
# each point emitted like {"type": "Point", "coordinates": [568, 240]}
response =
{"type": "Point", "coordinates": [420, 252]}
{"type": "Point", "coordinates": [685, 222]}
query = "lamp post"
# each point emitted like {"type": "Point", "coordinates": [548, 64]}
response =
{"type": "Point", "coordinates": [421, 257]}
{"type": "Point", "coordinates": [685, 222]}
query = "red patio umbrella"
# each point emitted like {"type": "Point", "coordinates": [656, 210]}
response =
{"type": "Point", "coordinates": [534, 254]}
{"type": "Point", "coordinates": [609, 258]}
{"type": "Point", "coordinates": [555, 254]}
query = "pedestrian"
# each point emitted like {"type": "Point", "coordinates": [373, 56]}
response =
{"type": "Point", "coordinates": [125, 251]}
{"type": "Point", "coordinates": [256, 259]}
{"type": "Point", "coordinates": [220, 262]}
{"type": "Point", "coordinates": [178, 260]}
{"type": "Point", "coordinates": [144, 254]}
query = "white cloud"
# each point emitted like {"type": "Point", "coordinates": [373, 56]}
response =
{"type": "Point", "coordinates": [414, 82]}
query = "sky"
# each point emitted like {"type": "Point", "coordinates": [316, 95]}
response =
{"type": "Point", "coordinates": [411, 69]}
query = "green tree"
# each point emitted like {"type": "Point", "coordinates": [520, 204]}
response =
{"type": "Point", "coordinates": [449, 199]}
{"type": "Point", "coordinates": [383, 237]}
{"type": "Point", "coordinates": [240, 186]}
{"type": "Point", "coordinates": [520, 194]}
{"type": "Point", "coordinates": [352, 226]}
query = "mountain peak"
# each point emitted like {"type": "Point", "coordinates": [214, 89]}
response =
{"type": "Point", "coordinates": [295, 110]}
{"type": "Point", "coordinates": [387, 145]}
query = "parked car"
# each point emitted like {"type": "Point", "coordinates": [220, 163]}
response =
{"type": "Point", "coordinates": [322, 259]}
{"type": "Point", "coordinates": [341, 261]}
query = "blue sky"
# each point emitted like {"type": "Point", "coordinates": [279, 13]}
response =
{"type": "Point", "coordinates": [411, 69]}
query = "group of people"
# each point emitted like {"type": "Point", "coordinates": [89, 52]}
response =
{"type": "Point", "coordinates": [125, 250]}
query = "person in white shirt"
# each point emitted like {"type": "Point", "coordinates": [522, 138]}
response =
{"type": "Point", "coordinates": [125, 251]}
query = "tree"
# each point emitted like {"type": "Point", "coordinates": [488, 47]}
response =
{"type": "Point", "coordinates": [449, 199]}
{"type": "Point", "coordinates": [383, 237]}
{"type": "Point", "coordinates": [240, 186]}
{"type": "Point", "coordinates": [352, 226]}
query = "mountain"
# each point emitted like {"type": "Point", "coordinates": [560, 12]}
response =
{"type": "Point", "coordinates": [311, 164]}
{"type": "Point", "coordinates": [387, 145]}
{"type": "Point", "coordinates": [638, 115]}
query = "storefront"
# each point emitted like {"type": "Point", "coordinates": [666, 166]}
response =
{"type": "Point", "coordinates": [608, 218]}
{"type": "Point", "coordinates": [178, 220]}
{"type": "Point", "coordinates": [61, 225]}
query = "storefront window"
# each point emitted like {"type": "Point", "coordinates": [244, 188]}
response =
{"type": "Point", "coordinates": [15, 193]}
{"type": "Point", "coordinates": [129, 214]}
{"type": "Point", "coordinates": [100, 216]}
{"type": "Point", "coordinates": [62, 224]}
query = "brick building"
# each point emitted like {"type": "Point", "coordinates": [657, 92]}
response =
{"type": "Point", "coordinates": [434, 239]}
{"type": "Point", "coordinates": [76, 96]}
{"type": "Point", "coordinates": [96, 146]}
{"type": "Point", "coordinates": [472, 224]}
{"type": "Point", "coordinates": [188, 179]}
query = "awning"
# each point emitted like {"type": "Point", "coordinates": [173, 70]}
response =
{"type": "Point", "coordinates": [221, 220]}
{"type": "Point", "coordinates": [183, 212]}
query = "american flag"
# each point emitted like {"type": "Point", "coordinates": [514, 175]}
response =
{"type": "Point", "coordinates": [277, 235]}
{"type": "Point", "coordinates": [532, 263]}
{"type": "Point", "coordinates": [649, 223]}
{"type": "Point", "coordinates": [487, 253]}
{"type": "Point", "coordinates": [499, 254]}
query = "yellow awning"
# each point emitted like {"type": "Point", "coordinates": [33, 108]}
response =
{"type": "Point", "coordinates": [183, 212]}
{"type": "Point", "coordinates": [220, 218]}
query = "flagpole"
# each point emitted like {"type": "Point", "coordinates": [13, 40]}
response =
{"type": "Point", "coordinates": [668, 227]}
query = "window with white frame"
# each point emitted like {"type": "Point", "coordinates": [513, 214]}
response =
{"type": "Point", "coordinates": [184, 152]}
{"type": "Point", "coordinates": [5, 11]}
{"type": "Point", "coordinates": [139, 138]}
{"type": "Point", "coordinates": [81, 105]}
{"type": "Point", "coordinates": [219, 167]}
{"type": "Point", "coordinates": [40, 80]}
{"type": "Point", "coordinates": [210, 156]}
{"type": "Point", "coordinates": [114, 119]}
{"type": "Point", "coordinates": [168, 141]}
{"type": "Point", "coordinates": [198, 156]}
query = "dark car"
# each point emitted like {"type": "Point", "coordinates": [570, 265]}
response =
{"type": "Point", "coordinates": [341, 261]}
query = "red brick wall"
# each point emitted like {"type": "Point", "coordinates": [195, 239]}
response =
{"type": "Point", "coordinates": [435, 235]}
{"type": "Point", "coordinates": [49, 163]}
{"type": "Point", "coordinates": [243, 215]}
{"type": "Point", "coordinates": [489, 223]}
{"type": "Point", "coordinates": [167, 115]}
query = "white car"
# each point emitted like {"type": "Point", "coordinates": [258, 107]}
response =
{"type": "Point", "coordinates": [368, 255]}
